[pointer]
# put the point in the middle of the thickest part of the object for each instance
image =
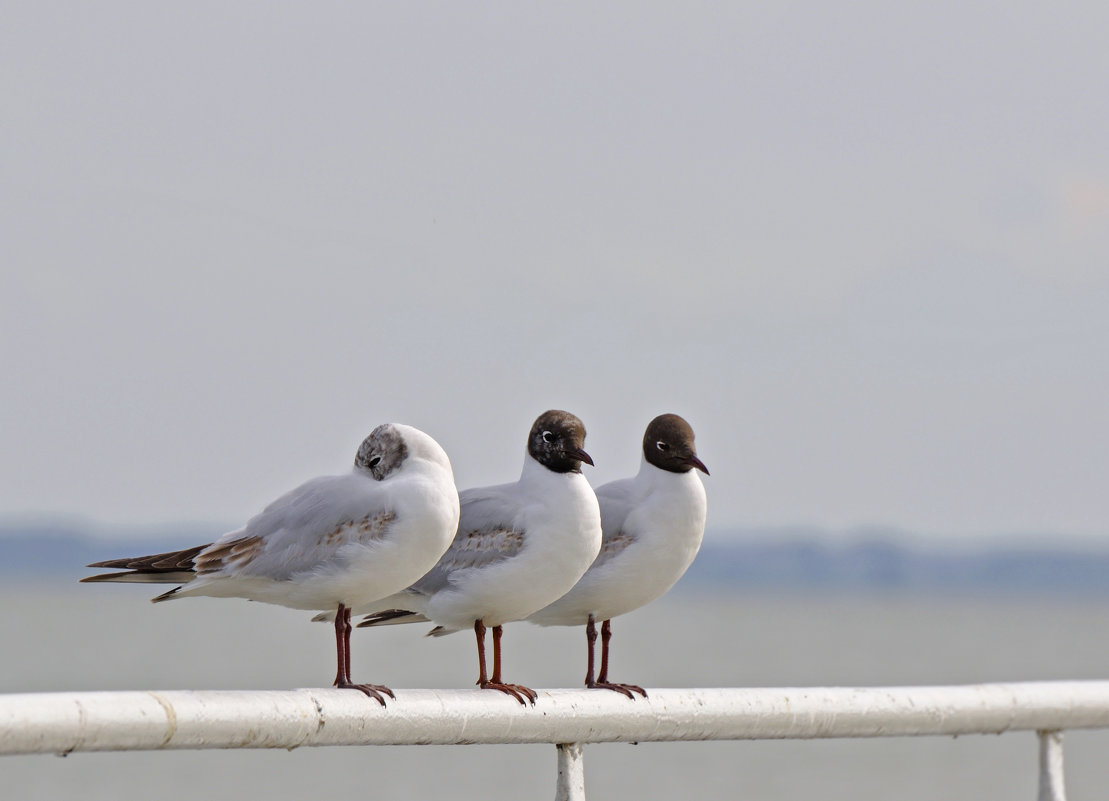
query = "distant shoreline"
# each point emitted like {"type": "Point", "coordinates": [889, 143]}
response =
{"type": "Point", "coordinates": [877, 560]}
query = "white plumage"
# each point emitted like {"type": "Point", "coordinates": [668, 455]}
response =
{"type": "Point", "coordinates": [346, 539]}
{"type": "Point", "coordinates": [519, 547]}
{"type": "Point", "coordinates": [653, 524]}
{"type": "Point", "coordinates": [333, 543]}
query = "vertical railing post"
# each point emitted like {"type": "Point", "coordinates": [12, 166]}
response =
{"type": "Point", "coordinates": [571, 773]}
{"type": "Point", "coordinates": [1051, 766]}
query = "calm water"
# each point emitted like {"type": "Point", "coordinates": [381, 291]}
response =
{"type": "Point", "coordinates": [68, 637]}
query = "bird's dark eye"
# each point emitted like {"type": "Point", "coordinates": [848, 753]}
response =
{"type": "Point", "coordinates": [548, 436]}
{"type": "Point", "coordinates": [662, 446]}
{"type": "Point", "coordinates": [374, 462]}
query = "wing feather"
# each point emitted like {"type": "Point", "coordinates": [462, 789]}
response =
{"type": "Point", "coordinates": [612, 546]}
{"type": "Point", "coordinates": [616, 503]}
{"type": "Point", "coordinates": [472, 550]}
{"type": "Point", "coordinates": [159, 562]}
{"type": "Point", "coordinates": [320, 522]}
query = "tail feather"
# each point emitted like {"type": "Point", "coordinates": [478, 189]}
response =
{"type": "Point", "coordinates": [172, 567]}
{"type": "Point", "coordinates": [157, 563]}
{"type": "Point", "coordinates": [391, 617]}
{"type": "Point", "coordinates": [165, 596]}
{"type": "Point", "coordinates": [135, 577]}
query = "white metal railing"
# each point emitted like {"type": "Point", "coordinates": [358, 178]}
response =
{"type": "Point", "coordinates": [41, 723]}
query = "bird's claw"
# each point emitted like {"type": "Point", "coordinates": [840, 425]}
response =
{"type": "Point", "coordinates": [517, 691]}
{"type": "Point", "coordinates": [628, 690]}
{"type": "Point", "coordinates": [375, 691]}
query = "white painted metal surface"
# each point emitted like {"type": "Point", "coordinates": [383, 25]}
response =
{"type": "Point", "coordinates": [1051, 767]}
{"type": "Point", "coordinates": [571, 773]}
{"type": "Point", "coordinates": [110, 721]}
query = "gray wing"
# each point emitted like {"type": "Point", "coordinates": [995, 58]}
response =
{"type": "Point", "coordinates": [488, 533]}
{"type": "Point", "coordinates": [313, 525]}
{"type": "Point", "coordinates": [616, 504]}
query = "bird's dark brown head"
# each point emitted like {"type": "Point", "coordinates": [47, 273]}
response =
{"type": "Point", "coordinates": [557, 441]}
{"type": "Point", "coordinates": [668, 445]}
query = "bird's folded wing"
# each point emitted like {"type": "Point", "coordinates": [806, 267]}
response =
{"type": "Point", "coordinates": [617, 502]}
{"type": "Point", "coordinates": [305, 529]}
{"type": "Point", "coordinates": [471, 550]}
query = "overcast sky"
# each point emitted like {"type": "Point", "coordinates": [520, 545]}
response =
{"type": "Point", "coordinates": [863, 248]}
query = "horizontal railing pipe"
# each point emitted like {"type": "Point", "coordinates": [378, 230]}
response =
{"type": "Point", "coordinates": [116, 721]}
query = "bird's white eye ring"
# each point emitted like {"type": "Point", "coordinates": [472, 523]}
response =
{"type": "Point", "coordinates": [548, 436]}
{"type": "Point", "coordinates": [662, 446]}
{"type": "Point", "coordinates": [374, 462]}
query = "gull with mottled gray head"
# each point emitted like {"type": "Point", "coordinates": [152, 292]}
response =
{"type": "Point", "coordinates": [653, 524]}
{"type": "Point", "coordinates": [334, 543]}
{"type": "Point", "coordinates": [519, 547]}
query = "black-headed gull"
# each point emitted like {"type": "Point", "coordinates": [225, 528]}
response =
{"type": "Point", "coordinates": [653, 524]}
{"type": "Point", "coordinates": [519, 547]}
{"type": "Point", "coordinates": [335, 542]}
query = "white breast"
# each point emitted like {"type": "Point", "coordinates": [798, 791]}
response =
{"type": "Point", "coordinates": [560, 519]}
{"type": "Point", "coordinates": [654, 526]}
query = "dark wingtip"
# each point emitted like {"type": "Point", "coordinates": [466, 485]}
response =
{"type": "Point", "coordinates": [110, 563]}
{"type": "Point", "coordinates": [165, 596]}
{"type": "Point", "coordinates": [383, 617]}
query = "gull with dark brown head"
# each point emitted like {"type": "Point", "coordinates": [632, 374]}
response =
{"type": "Point", "coordinates": [334, 543]}
{"type": "Point", "coordinates": [653, 524]}
{"type": "Point", "coordinates": [519, 547]}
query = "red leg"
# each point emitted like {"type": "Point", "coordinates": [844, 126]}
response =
{"type": "Point", "coordinates": [606, 635]}
{"type": "Point", "coordinates": [346, 629]}
{"type": "Point", "coordinates": [479, 632]}
{"type": "Point", "coordinates": [591, 639]}
{"type": "Point", "coordinates": [496, 677]}
{"type": "Point", "coordinates": [602, 678]}
{"type": "Point", "coordinates": [517, 691]}
{"type": "Point", "coordinates": [342, 656]}
{"type": "Point", "coordinates": [342, 647]}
